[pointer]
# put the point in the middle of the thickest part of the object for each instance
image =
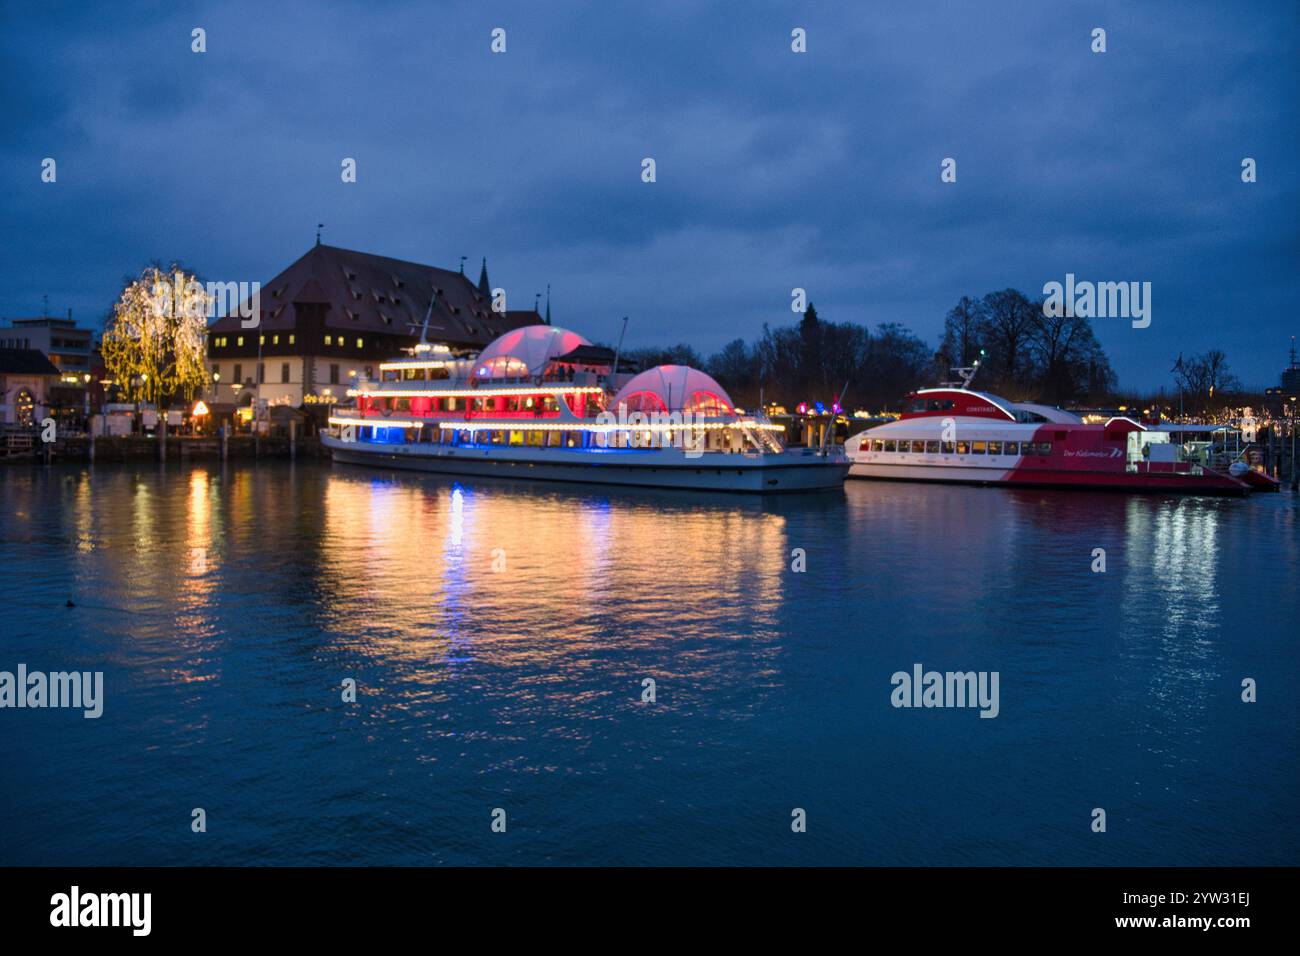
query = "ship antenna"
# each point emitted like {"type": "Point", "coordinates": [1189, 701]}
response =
{"type": "Point", "coordinates": [613, 373]}
{"type": "Point", "coordinates": [424, 332]}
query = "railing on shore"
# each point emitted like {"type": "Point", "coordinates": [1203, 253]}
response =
{"type": "Point", "coordinates": [129, 448]}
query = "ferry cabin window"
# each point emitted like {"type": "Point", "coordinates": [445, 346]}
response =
{"type": "Point", "coordinates": [995, 448]}
{"type": "Point", "coordinates": [889, 445]}
{"type": "Point", "coordinates": [932, 448]}
{"type": "Point", "coordinates": [390, 374]}
{"type": "Point", "coordinates": [978, 447]}
{"type": "Point", "coordinates": [918, 448]}
{"type": "Point", "coordinates": [877, 444]}
{"type": "Point", "coordinates": [931, 405]}
{"type": "Point", "coordinates": [947, 447]}
{"type": "Point", "coordinates": [1010, 448]}
{"type": "Point", "coordinates": [963, 448]}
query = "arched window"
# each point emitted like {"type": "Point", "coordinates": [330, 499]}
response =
{"type": "Point", "coordinates": [25, 407]}
{"type": "Point", "coordinates": [644, 402]}
{"type": "Point", "coordinates": [707, 403]}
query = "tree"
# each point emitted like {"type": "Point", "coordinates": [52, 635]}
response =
{"type": "Point", "coordinates": [1006, 326]}
{"type": "Point", "coordinates": [960, 346]}
{"type": "Point", "coordinates": [153, 346]}
{"type": "Point", "coordinates": [1069, 359]}
{"type": "Point", "coordinates": [897, 362]}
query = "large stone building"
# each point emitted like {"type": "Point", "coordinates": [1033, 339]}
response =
{"type": "Point", "coordinates": [335, 314]}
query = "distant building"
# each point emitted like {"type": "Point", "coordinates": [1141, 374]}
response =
{"type": "Point", "coordinates": [70, 349]}
{"type": "Point", "coordinates": [26, 379]}
{"type": "Point", "coordinates": [335, 314]}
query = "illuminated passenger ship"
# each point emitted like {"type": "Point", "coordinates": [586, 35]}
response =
{"type": "Point", "coordinates": [539, 402]}
{"type": "Point", "coordinates": [953, 434]}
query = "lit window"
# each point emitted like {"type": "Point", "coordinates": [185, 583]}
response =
{"type": "Point", "coordinates": [239, 340]}
{"type": "Point", "coordinates": [329, 340]}
{"type": "Point", "coordinates": [275, 340]}
{"type": "Point", "coordinates": [291, 338]}
{"type": "Point", "coordinates": [361, 343]}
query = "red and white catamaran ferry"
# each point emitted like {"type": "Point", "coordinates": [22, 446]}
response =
{"type": "Point", "coordinates": [540, 402]}
{"type": "Point", "coordinates": [954, 434]}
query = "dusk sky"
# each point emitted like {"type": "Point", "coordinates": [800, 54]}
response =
{"type": "Point", "coordinates": [775, 169]}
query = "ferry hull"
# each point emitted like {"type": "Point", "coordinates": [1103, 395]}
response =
{"type": "Point", "coordinates": [1209, 483]}
{"type": "Point", "coordinates": [791, 471]}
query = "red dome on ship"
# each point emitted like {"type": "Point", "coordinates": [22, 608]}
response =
{"type": "Point", "coordinates": [674, 388]}
{"type": "Point", "coordinates": [525, 352]}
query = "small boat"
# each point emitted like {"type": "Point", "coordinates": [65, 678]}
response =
{"type": "Point", "coordinates": [954, 434]}
{"type": "Point", "coordinates": [540, 403]}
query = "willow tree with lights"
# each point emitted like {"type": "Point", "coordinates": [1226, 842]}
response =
{"type": "Point", "coordinates": [154, 344]}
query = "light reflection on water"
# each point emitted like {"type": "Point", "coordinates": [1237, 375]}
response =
{"type": "Point", "coordinates": [227, 605]}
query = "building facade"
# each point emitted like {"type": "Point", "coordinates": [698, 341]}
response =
{"type": "Point", "coordinates": [334, 315]}
{"type": "Point", "coordinates": [71, 350]}
{"type": "Point", "coordinates": [26, 379]}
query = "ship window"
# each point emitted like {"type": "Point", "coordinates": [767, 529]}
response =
{"type": "Point", "coordinates": [877, 444]}
{"type": "Point", "coordinates": [963, 448]}
{"type": "Point", "coordinates": [932, 448]}
{"type": "Point", "coordinates": [995, 448]}
{"type": "Point", "coordinates": [1011, 448]}
{"type": "Point", "coordinates": [918, 447]}
{"type": "Point", "coordinates": [978, 447]}
{"type": "Point", "coordinates": [918, 405]}
{"type": "Point", "coordinates": [946, 447]}
{"type": "Point", "coordinates": [940, 404]}
{"type": "Point", "coordinates": [889, 446]}
{"type": "Point", "coordinates": [1044, 448]}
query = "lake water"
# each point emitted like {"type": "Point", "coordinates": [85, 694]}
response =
{"type": "Point", "coordinates": [500, 633]}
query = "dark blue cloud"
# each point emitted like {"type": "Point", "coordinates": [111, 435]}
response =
{"type": "Point", "coordinates": [775, 170]}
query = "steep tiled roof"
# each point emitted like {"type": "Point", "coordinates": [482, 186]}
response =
{"type": "Point", "coordinates": [369, 293]}
{"type": "Point", "coordinates": [25, 362]}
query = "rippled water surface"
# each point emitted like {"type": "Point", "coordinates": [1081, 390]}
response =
{"type": "Point", "coordinates": [226, 606]}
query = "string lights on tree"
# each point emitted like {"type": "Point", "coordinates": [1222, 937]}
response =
{"type": "Point", "coordinates": [154, 344]}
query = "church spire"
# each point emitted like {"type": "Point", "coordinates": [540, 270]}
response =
{"type": "Point", "coordinates": [483, 285]}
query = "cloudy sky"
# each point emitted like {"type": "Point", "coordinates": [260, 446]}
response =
{"type": "Point", "coordinates": [775, 169]}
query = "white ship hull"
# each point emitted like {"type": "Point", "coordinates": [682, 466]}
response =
{"type": "Point", "coordinates": [791, 470]}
